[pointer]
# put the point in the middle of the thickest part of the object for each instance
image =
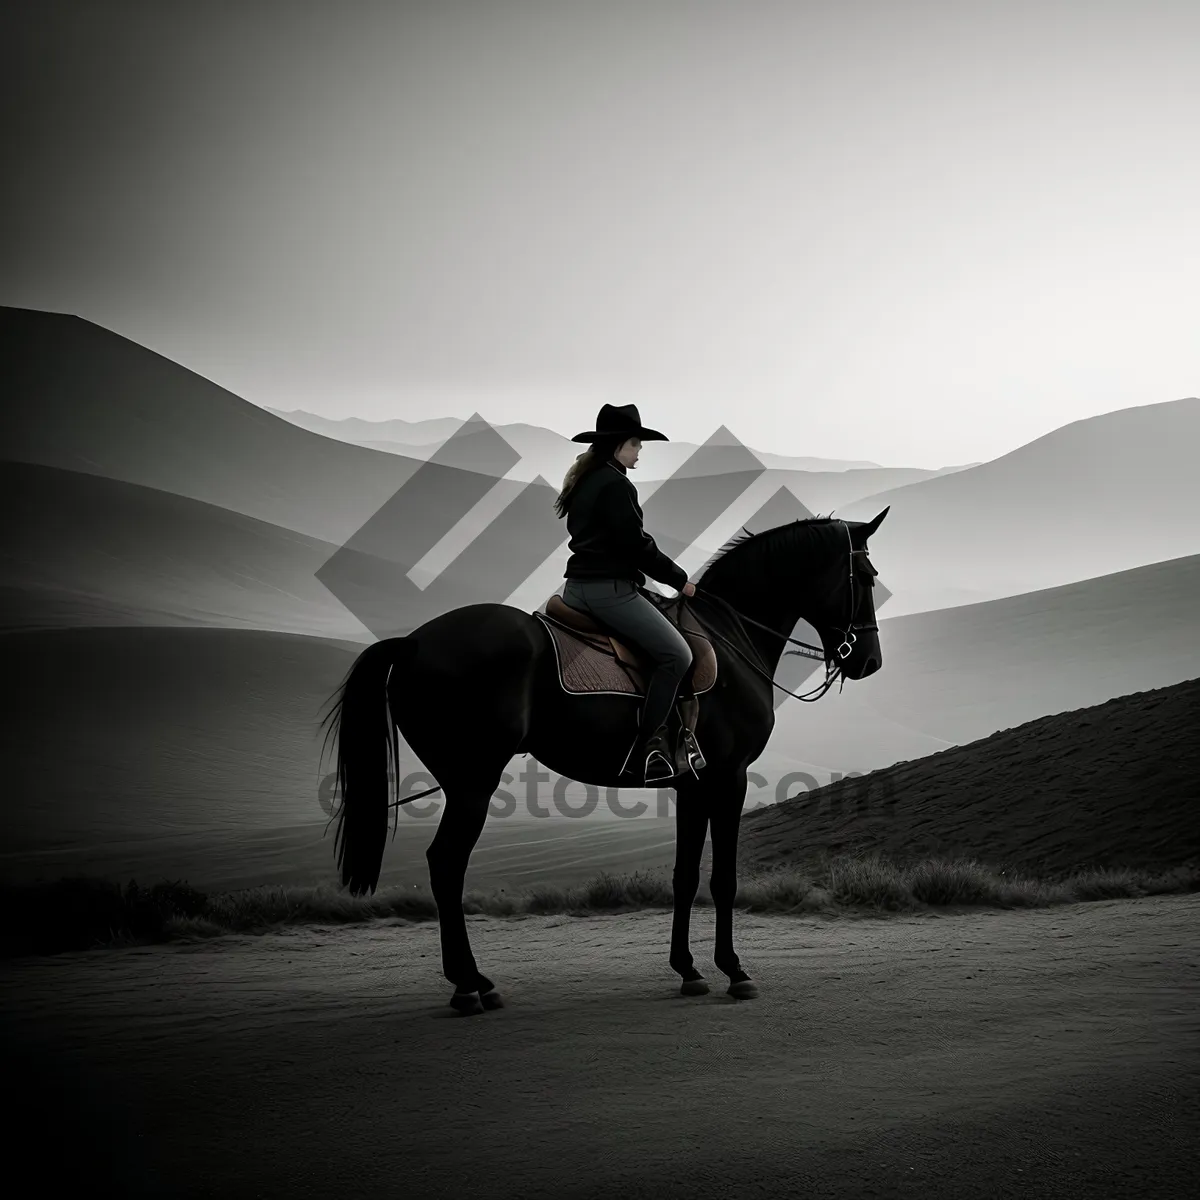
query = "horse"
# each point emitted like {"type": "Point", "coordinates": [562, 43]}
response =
{"type": "Point", "coordinates": [478, 685]}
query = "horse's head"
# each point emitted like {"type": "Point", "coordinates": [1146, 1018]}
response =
{"type": "Point", "coordinates": [846, 620]}
{"type": "Point", "coordinates": [817, 569]}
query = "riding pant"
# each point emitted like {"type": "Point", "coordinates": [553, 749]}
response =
{"type": "Point", "coordinates": [620, 607]}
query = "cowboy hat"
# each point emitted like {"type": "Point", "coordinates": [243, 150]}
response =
{"type": "Point", "coordinates": [623, 421]}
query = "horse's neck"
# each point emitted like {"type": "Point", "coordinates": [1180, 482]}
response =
{"type": "Point", "coordinates": [770, 607]}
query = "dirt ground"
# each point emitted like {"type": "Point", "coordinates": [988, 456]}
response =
{"type": "Point", "coordinates": [1047, 1053]}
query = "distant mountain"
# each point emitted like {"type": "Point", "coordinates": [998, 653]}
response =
{"type": "Point", "coordinates": [1104, 494]}
{"type": "Point", "coordinates": [1113, 784]}
{"type": "Point", "coordinates": [821, 484]}
{"type": "Point", "coordinates": [532, 441]}
{"type": "Point", "coordinates": [428, 433]}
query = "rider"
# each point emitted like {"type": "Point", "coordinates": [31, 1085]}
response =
{"type": "Point", "coordinates": [609, 553]}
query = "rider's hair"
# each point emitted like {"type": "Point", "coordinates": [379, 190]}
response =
{"type": "Point", "coordinates": [594, 457]}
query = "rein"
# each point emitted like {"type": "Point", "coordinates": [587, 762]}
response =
{"type": "Point", "coordinates": [808, 697]}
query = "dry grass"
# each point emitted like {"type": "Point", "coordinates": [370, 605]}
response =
{"type": "Point", "coordinates": [82, 912]}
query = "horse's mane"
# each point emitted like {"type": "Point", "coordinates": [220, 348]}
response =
{"type": "Point", "coordinates": [747, 551]}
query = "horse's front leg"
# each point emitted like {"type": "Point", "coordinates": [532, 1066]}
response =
{"type": "Point", "coordinates": [691, 828]}
{"type": "Point", "coordinates": [726, 810]}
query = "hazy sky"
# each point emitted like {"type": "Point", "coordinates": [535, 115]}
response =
{"type": "Point", "coordinates": [917, 233]}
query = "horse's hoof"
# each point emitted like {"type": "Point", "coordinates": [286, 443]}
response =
{"type": "Point", "coordinates": [467, 1003]}
{"type": "Point", "coordinates": [744, 989]}
{"type": "Point", "coordinates": [491, 1000]}
{"type": "Point", "coordinates": [694, 987]}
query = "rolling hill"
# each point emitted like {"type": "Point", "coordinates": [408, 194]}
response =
{"type": "Point", "coordinates": [81, 398]}
{"type": "Point", "coordinates": [1093, 497]}
{"type": "Point", "coordinates": [83, 550]}
{"type": "Point", "coordinates": [1114, 784]}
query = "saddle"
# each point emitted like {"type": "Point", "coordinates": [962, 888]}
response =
{"type": "Point", "coordinates": [585, 653]}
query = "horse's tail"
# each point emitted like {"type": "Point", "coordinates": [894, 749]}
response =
{"type": "Point", "coordinates": [368, 753]}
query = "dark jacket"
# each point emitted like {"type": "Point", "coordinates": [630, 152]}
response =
{"type": "Point", "coordinates": [607, 539]}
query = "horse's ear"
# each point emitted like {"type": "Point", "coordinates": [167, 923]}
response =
{"type": "Point", "coordinates": [869, 528]}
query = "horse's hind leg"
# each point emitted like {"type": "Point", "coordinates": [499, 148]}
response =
{"type": "Point", "coordinates": [448, 855]}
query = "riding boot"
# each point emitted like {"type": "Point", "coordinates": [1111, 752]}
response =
{"type": "Point", "coordinates": [687, 749]}
{"type": "Point", "coordinates": [650, 760]}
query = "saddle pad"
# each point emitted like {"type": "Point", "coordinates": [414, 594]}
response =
{"type": "Point", "coordinates": [586, 665]}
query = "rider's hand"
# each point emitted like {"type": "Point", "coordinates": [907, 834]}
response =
{"type": "Point", "coordinates": [688, 589]}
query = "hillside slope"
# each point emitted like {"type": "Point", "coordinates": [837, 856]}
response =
{"type": "Point", "coordinates": [85, 399]}
{"type": "Point", "coordinates": [162, 731]}
{"type": "Point", "coordinates": [79, 549]}
{"type": "Point", "coordinates": [1116, 784]}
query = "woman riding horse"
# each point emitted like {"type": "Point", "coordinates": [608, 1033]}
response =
{"type": "Point", "coordinates": [610, 550]}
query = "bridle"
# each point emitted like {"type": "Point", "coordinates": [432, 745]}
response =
{"type": "Point", "coordinates": [848, 633]}
{"type": "Point", "coordinates": [853, 628]}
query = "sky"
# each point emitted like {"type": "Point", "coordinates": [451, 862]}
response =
{"type": "Point", "coordinates": [914, 233]}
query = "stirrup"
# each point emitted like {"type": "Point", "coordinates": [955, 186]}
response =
{"type": "Point", "coordinates": [654, 754]}
{"type": "Point", "coordinates": [691, 748]}
{"type": "Point", "coordinates": [687, 755]}
{"type": "Point", "coordinates": [656, 757]}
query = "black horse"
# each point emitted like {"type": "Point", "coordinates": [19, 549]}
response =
{"type": "Point", "coordinates": [478, 685]}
